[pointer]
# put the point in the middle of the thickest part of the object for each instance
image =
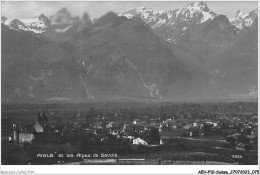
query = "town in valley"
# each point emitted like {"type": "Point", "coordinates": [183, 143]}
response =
{"type": "Point", "coordinates": [131, 133]}
{"type": "Point", "coordinates": [129, 83]}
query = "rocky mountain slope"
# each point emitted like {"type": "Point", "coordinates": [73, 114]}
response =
{"type": "Point", "coordinates": [115, 57]}
{"type": "Point", "coordinates": [210, 41]}
{"type": "Point", "coordinates": [191, 53]}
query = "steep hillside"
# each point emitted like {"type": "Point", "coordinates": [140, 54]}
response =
{"type": "Point", "coordinates": [113, 58]}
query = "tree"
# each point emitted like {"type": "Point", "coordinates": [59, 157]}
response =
{"type": "Point", "coordinates": [207, 129]}
{"type": "Point", "coordinates": [153, 136]}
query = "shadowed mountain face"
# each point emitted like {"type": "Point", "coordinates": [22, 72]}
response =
{"type": "Point", "coordinates": [202, 43]}
{"type": "Point", "coordinates": [239, 65]}
{"type": "Point", "coordinates": [224, 48]}
{"type": "Point", "coordinates": [120, 57]}
{"type": "Point", "coordinates": [224, 52]}
{"type": "Point", "coordinates": [115, 57]}
{"type": "Point", "coordinates": [26, 69]}
{"type": "Point", "coordinates": [136, 59]}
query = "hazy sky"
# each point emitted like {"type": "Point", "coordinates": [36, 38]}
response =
{"type": "Point", "coordinates": [28, 9]}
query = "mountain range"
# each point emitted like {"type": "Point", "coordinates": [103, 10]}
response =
{"type": "Point", "coordinates": [189, 53]}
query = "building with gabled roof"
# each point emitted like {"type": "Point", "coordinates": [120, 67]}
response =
{"type": "Point", "coordinates": [139, 141]}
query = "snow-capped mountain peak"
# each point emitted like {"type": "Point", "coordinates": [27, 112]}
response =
{"type": "Point", "coordinates": [171, 13]}
{"type": "Point", "coordinates": [59, 26]}
{"type": "Point", "coordinates": [197, 10]}
{"type": "Point", "coordinates": [197, 6]}
{"type": "Point", "coordinates": [173, 23]}
{"type": "Point", "coordinates": [36, 24]}
{"type": "Point", "coordinates": [42, 17]}
{"type": "Point", "coordinates": [17, 24]}
{"type": "Point", "coordinates": [241, 15]}
{"type": "Point", "coordinates": [243, 19]}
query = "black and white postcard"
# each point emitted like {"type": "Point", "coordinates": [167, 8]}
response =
{"type": "Point", "coordinates": [93, 86]}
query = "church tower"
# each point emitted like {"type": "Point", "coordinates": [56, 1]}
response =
{"type": "Point", "coordinates": [16, 133]}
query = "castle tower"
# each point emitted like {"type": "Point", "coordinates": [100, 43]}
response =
{"type": "Point", "coordinates": [16, 133]}
{"type": "Point", "coordinates": [125, 127]}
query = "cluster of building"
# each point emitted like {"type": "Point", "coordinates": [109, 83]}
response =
{"type": "Point", "coordinates": [138, 130]}
{"type": "Point", "coordinates": [30, 132]}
